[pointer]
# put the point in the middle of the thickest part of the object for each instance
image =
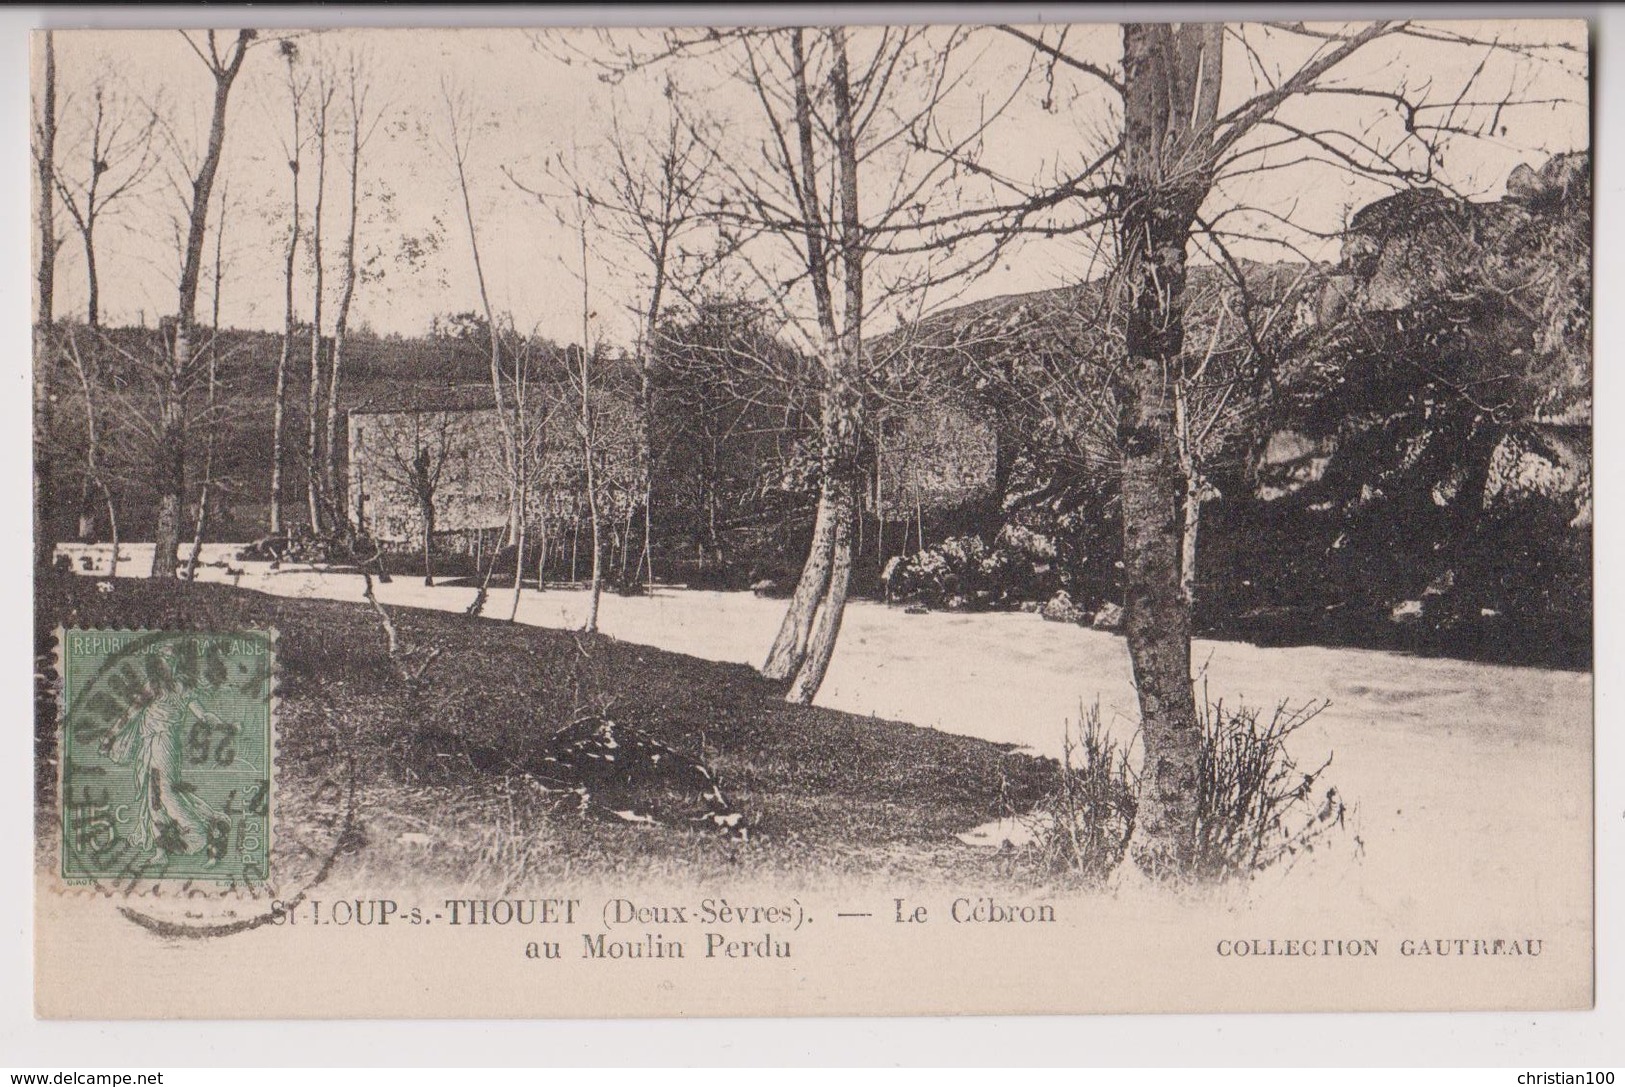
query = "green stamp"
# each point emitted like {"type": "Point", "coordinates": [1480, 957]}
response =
{"type": "Point", "coordinates": [166, 753]}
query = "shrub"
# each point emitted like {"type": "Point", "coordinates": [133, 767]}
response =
{"type": "Point", "coordinates": [963, 572]}
{"type": "Point", "coordinates": [1084, 825]}
{"type": "Point", "coordinates": [301, 544]}
{"type": "Point", "coordinates": [1255, 807]}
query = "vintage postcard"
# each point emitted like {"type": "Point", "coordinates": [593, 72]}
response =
{"type": "Point", "coordinates": [788, 521]}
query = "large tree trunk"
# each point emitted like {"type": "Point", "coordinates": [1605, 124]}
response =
{"type": "Point", "coordinates": [1166, 120]}
{"type": "Point", "coordinates": [829, 562]}
{"type": "Point", "coordinates": [1156, 620]}
{"type": "Point", "coordinates": [44, 353]}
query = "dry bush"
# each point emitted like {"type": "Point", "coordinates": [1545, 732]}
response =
{"type": "Point", "coordinates": [1255, 807]}
{"type": "Point", "coordinates": [1083, 826]}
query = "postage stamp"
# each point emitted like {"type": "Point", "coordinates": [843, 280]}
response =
{"type": "Point", "coordinates": [166, 755]}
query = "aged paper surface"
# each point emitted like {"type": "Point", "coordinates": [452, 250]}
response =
{"type": "Point", "coordinates": [820, 640]}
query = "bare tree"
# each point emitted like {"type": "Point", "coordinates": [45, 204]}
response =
{"type": "Point", "coordinates": [361, 121]}
{"type": "Point", "coordinates": [409, 451]}
{"type": "Point", "coordinates": [1170, 178]}
{"type": "Point", "coordinates": [44, 148]}
{"type": "Point", "coordinates": [589, 446]}
{"type": "Point", "coordinates": [836, 130]}
{"type": "Point", "coordinates": [457, 145]}
{"type": "Point", "coordinates": [117, 154]}
{"type": "Point", "coordinates": [211, 412]}
{"type": "Point", "coordinates": [786, 206]}
{"type": "Point", "coordinates": [170, 470]}
{"type": "Point", "coordinates": [806, 639]}
{"type": "Point", "coordinates": [653, 196]}
{"type": "Point", "coordinates": [87, 371]}
{"type": "Point", "coordinates": [325, 91]}
{"type": "Point", "coordinates": [298, 86]}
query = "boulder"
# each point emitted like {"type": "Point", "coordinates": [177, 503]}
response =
{"type": "Point", "coordinates": [1406, 611]}
{"type": "Point", "coordinates": [1109, 617]}
{"type": "Point", "coordinates": [1290, 462]}
{"type": "Point", "coordinates": [1549, 463]}
{"type": "Point", "coordinates": [1060, 609]}
{"type": "Point", "coordinates": [765, 587]}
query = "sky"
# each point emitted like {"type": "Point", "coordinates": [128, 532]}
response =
{"type": "Point", "coordinates": [543, 112]}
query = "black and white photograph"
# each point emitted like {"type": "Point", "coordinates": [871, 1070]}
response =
{"type": "Point", "coordinates": [900, 519]}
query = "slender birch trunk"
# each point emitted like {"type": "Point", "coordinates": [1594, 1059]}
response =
{"type": "Point", "coordinates": [212, 408]}
{"type": "Point", "coordinates": [789, 649]}
{"type": "Point", "coordinates": [93, 445]}
{"type": "Point", "coordinates": [510, 441]}
{"type": "Point", "coordinates": [44, 355]}
{"type": "Point", "coordinates": [279, 407]}
{"type": "Point", "coordinates": [427, 516]}
{"type": "Point", "coordinates": [341, 323]}
{"type": "Point", "coordinates": [313, 461]}
{"type": "Point", "coordinates": [589, 448]}
{"type": "Point", "coordinates": [843, 398]}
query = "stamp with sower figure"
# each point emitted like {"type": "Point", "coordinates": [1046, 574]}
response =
{"type": "Point", "coordinates": [166, 755]}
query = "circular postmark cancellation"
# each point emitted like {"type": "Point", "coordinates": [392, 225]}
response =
{"type": "Point", "coordinates": [166, 794]}
{"type": "Point", "coordinates": [166, 755]}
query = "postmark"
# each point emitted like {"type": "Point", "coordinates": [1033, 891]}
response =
{"type": "Point", "coordinates": [167, 756]}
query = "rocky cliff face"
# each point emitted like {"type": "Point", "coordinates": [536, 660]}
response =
{"type": "Point", "coordinates": [1466, 321]}
{"type": "Point", "coordinates": [1431, 449]}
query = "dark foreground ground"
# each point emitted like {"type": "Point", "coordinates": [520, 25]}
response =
{"type": "Point", "coordinates": [821, 791]}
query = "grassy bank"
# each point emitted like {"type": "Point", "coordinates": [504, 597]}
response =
{"type": "Point", "coordinates": [822, 791]}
